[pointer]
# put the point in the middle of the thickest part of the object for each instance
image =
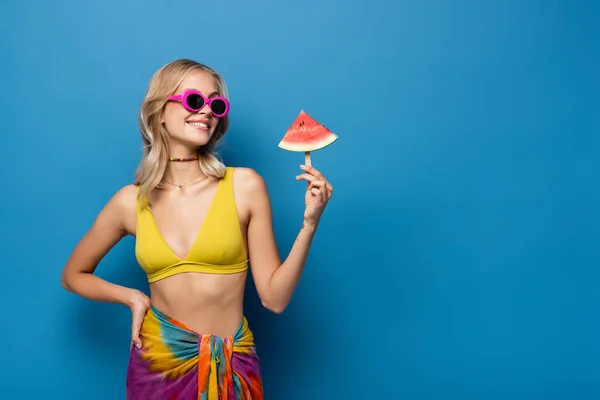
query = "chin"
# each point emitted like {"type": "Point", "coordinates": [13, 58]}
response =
{"type": "Point", "coordinates": [197, 142]}
{"type": "Point", "coordinates": [198, 137]}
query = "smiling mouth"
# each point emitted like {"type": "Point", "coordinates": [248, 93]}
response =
{"type": "Point", "coordinates": [199, 125]}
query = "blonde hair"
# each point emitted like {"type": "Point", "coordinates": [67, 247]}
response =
{"type": "Point", "coordinates": [164, 83]}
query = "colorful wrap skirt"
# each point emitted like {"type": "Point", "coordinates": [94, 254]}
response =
{"type": "Point", "coordinates": [178, 363]}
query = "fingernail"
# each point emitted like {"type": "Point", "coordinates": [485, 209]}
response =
{"type": "Point", "coordinates": [139, 346]}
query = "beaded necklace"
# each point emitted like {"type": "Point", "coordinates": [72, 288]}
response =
{"type": "Point", "coordinates": [184, 158]}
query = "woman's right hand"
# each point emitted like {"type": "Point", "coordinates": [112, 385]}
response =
{"type": "Point", "coordinates": [139, 304]}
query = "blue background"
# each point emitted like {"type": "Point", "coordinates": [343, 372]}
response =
{"type": "Point", "coordinates": [458, 258]}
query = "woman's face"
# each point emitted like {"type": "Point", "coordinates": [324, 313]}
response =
{"type": "Point", "coordinates": [186, 128]}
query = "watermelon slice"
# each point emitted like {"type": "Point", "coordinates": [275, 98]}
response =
{"type": "Point", "coordinates": [306, 135]}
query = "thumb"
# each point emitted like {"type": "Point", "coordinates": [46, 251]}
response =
{"type": "Point", "coordinates": [135, 336]}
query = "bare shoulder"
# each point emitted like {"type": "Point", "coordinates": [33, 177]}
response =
{"type": "Point", "coordinates": [248, 181]}
{"type": "Point", "coordinates": [250, 190]}
{"type": "Point", "coordinates": [125, 197]}
{"type": "Point", "coordinates": [122, 207]}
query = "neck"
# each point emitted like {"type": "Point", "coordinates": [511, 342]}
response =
{"type": "Point", "coordinates": [180, 172]}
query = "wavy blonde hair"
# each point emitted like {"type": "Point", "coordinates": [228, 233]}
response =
{"type": "Point", "coordinates": [163, 84]}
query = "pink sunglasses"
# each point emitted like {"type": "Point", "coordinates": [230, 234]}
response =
{"type": "Point", "coordinates": [194, 101]}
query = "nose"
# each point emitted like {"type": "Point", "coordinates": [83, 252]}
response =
{"type": "Point", "coordinates": [205, 110]}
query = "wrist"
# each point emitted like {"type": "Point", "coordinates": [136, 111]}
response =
{"type": "Point", "coordinates": [309, 226]}
{"type": "Point", "coordinates": [131, 297]}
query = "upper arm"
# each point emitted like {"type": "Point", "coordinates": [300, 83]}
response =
{"type": "Point", "coordinates": [262, 248]}
{"type": "Point", "coordinates": [112, 223]}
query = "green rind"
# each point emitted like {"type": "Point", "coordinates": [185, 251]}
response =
{"type": "Point", "coordinates": [313, 146]}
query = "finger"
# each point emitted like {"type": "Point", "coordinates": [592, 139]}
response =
{"type": "Point", "coordinates": [137, 343]}
{"type": "Point", "coordinates": [321, 185]}
{"type": "Point", "coordinates": [306, 177]}
{"type": "Point", "coordinates": [312, 170]}
{"type": "Point", "coordinates": [320, 191]}
{"type": "Point", "coordinates": [311, 178]}
{"type": "Point", "coordinates": [135, 336]}
{"type": "Point", "coordinates": [325, 193]}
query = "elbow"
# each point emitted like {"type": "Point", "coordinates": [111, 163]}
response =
{"type": "Point", "coordinates": [274, 307]}
{"type": "Point", "coordinates": [65, 283]}
{"type": "Point", "coordinates": [277, 310]}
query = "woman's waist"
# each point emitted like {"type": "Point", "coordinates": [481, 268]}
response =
{"type": "Point", "coordinates": [206, 304]}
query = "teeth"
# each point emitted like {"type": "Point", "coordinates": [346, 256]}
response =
{"type": "Point", "coordinates": [198, 124]}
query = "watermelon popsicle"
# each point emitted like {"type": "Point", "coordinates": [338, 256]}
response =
{"type": "Point", "coordinates": [306, 135]}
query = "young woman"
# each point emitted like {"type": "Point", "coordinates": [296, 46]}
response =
{"type": "Point", "coordinates": [198, 225]}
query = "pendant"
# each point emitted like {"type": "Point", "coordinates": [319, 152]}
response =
{"type": "Point", "coordinates": [180, 187]}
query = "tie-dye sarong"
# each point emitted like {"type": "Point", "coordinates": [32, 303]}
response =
{"type": "Point", "coordinates": [178, 363]}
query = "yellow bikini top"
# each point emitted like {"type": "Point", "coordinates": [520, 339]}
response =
{"type": "Point", "coordinates": [217, 249]}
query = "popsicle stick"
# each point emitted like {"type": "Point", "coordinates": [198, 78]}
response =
{"type": "Point", "coordinates": [307, 158]}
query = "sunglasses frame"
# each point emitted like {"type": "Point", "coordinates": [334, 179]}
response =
{"type": "Point", "coordinates": [182, 98]}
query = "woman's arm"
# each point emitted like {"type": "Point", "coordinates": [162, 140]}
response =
{"type": "Point", "coordinates": [116, 220]}
{"type": "Point", "coordinates": [276, 281]}
{"type": "Point", "coordinates": [107, 230]}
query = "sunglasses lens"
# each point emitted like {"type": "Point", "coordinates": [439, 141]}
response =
{"type": "Point", "coordinates": [218, 107]}
{"type": "Point", "coordinates": [195, 101]}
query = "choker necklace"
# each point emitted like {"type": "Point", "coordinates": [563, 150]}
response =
{"type": "Point", "coordinates": [184, 158]}
{"type": "Point", "coordinates": [180, 186]}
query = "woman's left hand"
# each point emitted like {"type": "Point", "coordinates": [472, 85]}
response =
{"type": "Point", "coordinates": [318, 193]}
